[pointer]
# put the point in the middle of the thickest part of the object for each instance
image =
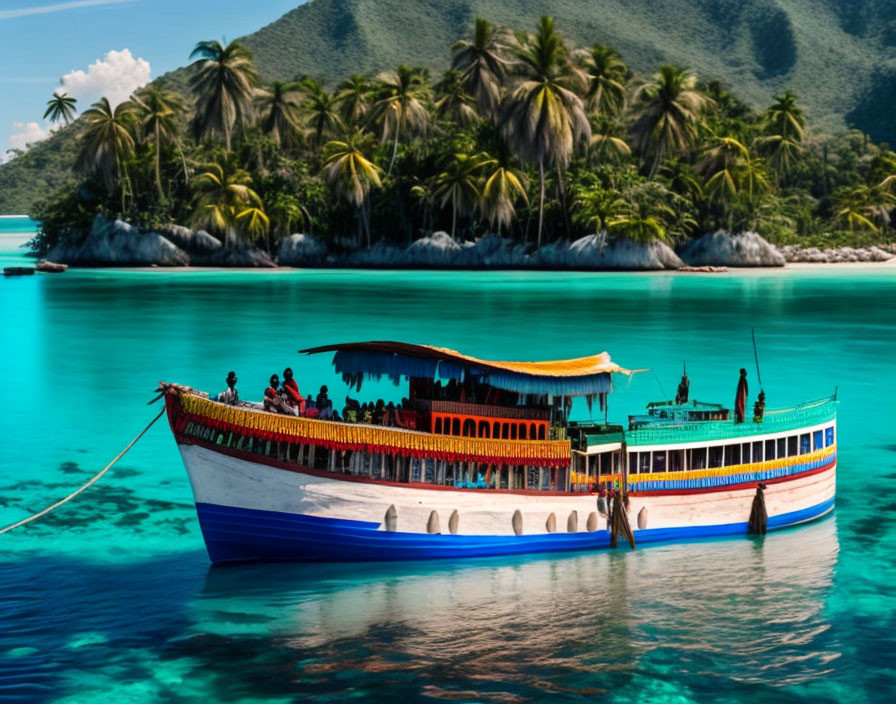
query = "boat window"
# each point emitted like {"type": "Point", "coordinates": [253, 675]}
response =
{"type": "Point", "coordinates": [732, 455]}
{"type": "Point", "coordinates": [675, 460]}
{"type": "Point", "coordinates": [805, 444]}
{"type": "Point", "coordinates": [469, 428]}
{"type": "Point", "coordinates": [483, 429]}
{"type": "Point", "coordinates": [818, 440]}
{"type": "Point", "coordinates": [542, 429]}
{"type": "Point", "coordinates": [455, 426]}
{"type": "Point", "coordinates": [532, 432]}
{"type": "Point", "coordinates": [757, 451]}
{"type": "Point", "coordinates": [513, 431]}
{"type": "Point", "coordinates": [782, 448]}
{"type": "Point", "coordinates": [633, 462]}
{"type": "Point", "coordinates": [746, 453]}
{"type": "Point", "coordinates": [438, 426]}
{"type": "Point", "coordinates": [792, 445]}
{"type": "Point", "coordinates": [505, 431]}
{"type": "Point", "coordinates": [496, 430]}
{"type": "Point", "coordinates": [829, 436]}
{"type": "Point", "coordinates": [769, 450]}
{"type": "Point", "coordinates": [522, 431]}
{"type": "Point", "coordinates": [659, 461]}
{"type": "Point", "coordinates": [644, 462]}
{"type": "Point", "coordinates": [715, 457]}
{"type": "Point", "coordinates": [697, 458]}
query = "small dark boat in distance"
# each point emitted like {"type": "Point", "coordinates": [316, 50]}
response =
{"type": "Point", "coordinates": [18, 270]}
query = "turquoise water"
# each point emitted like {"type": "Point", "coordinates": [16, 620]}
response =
{"type": "Point", "coordinates": [112, 598]}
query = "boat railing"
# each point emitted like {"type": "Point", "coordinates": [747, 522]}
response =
{"type": "Point", "coordinates": [778, 420]}
{"type": "Point", "coordinates": [482, 410]}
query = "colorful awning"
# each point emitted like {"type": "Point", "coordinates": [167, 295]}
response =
{"type": "Point", "coordinates": [583, 376]}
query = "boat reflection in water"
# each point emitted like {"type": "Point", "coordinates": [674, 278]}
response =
{"type": "Point", "coordinates": [745, 610]}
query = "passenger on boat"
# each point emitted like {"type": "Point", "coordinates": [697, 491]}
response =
{"type": "Point", "coordinates": [273, 401]}
{"type": "Point", "coordinates": [335, 415]}
{"type": "Point", "coordinates": [351, 410]}
{"type": "Point", "coordinates": [291, 393]}
{"type": "Point", "coordinates": [379, 412]}
{"type": "Point", "coordinates": [759, 408]}
{"type": "Point", "coordinates": [323, 402]}
{"type": "Point", "coordinates": [230, 395]}
{"type": "Point", "coordinates": [740, 400]}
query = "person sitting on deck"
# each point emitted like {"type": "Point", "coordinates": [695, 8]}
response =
{"type": "Point", "coordinates": [291, 392]}
{"type": "Point", "coordinates": [323, 402]}
{"type": "Point", "coordinates": [335, 415]}
{"type": "Point", "coordinates": [379, 412]}
{"type": "Point", "coordinates": [272, 400]}
{"type": "Point", "coordinates": [230, 395]}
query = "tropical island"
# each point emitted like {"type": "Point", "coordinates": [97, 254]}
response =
{"type": "Point", "coordinates": [524, 151]}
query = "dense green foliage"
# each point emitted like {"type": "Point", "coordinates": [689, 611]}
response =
{"type": "Point", "coordinates": [524, 133]}
{"type": "Point", "coordinates": [835, 54]}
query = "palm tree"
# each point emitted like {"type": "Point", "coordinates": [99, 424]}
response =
{"type": "Point", "coordinates": [321, 113]}
{"type": "Point", "coordinates": [353, 97]}
{"type": "Point", "coordinates": [224, 85]}
{"type": "Point", "coordinates": [666, 110]}
{"type": "Point", "coordinates": [459, 183]}
{"type": "Point", "coordinates": [107, 143]}
{"type": "Point", "coordinates": [222, 195]}
{"type": "Point", "coordinates": [499, 194]}
{"type": "Point", "coordinates": [401, 105]}
{"type": "Point", "coordinates": [606, 75]}
{"type": "Point", "coordinates": [784, 129]}
{"type": "Point", "coordinates": [482, 65]}
{"type": "Point", "coordinates": [159, 112]}
{"type": "Point", "coordinates": [351, 175]}
{"type": "Point", "coordinates": [254, 222]}
{"type": "Point", "coordinates": [60, 107]}
{"type": "Point", "coordinates": [543, 117]}
{"type": "Point", "coordinates": [278, 107]}
{"type": "Point", "coordinates": [733, 173]}
{"type": "Point", "coordinates": [453, 103]}
{"type": "Point", "coordinates": [859, 206]}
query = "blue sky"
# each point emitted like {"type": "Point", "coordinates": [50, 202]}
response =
{"type": "Point", "coordinates": [43, 40]}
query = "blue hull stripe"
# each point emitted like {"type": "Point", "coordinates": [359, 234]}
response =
{"type": "Point", "coordinates": [240, 535]}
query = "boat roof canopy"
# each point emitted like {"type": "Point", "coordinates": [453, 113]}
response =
{"type": "Point", "coordinates": [584, 376]}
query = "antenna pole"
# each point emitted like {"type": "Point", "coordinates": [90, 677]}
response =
{"type": "Point", "coordinates": [756, 357]}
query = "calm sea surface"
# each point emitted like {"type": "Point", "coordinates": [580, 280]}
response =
{"type": "Point", "coordinates": [112, 599]}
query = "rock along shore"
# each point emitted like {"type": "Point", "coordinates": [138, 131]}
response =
{"type": "Point", "coordinates": [120, 244]}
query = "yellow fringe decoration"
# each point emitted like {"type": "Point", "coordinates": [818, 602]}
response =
{"type": "Point", "coordinates": [389, 439]}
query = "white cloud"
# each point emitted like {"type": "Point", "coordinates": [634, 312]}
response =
{"type": "Point", "coordinates": [57, 7]}
{"type": "Point", "coordinates": [115, 76]}
{"type": "Point", "coordinates": [25, 134]}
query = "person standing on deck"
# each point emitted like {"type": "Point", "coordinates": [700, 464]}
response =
{"type": "Point", "coordinates": [230, 395]}
{"type": "Point", "coordinates": [740, 400]}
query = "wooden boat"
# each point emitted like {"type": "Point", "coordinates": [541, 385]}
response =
{"type": "Point", "coordinates": [48, 267]}
{"type": "Point", "coordinates": [482, 460]}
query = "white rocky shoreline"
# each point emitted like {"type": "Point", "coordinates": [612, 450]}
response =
{"type": "Point", "coordinates": [115, 243]}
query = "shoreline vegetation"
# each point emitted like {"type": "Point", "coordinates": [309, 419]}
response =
{"type": "Point", "coordinates": [525, 152]}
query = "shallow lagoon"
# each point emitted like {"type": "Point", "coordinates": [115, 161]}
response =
{"type": "Point", "coordinates": [112, 597]}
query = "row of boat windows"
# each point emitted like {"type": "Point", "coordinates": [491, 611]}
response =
{"type": "Point", "coordinates": [729, 455]}
{"type": "Point", "coordinates": [389, 467]}
{"type": "Point", "coordinates": [469, 428]}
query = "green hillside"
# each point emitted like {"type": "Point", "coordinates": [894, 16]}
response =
{"type": "Point", "coordinates": [839, 56]}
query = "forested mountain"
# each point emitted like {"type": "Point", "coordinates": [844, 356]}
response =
{"type": "Point", "coordinates": [838, 56]}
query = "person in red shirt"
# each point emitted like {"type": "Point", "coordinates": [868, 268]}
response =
{"type": "Point", "coordinates": [272, 400]}
{"type": "Point", "coordinates": [291, 391]}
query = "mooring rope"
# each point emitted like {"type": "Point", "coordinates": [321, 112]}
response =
{"type": "Point", "coordinates": [92, 480]}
